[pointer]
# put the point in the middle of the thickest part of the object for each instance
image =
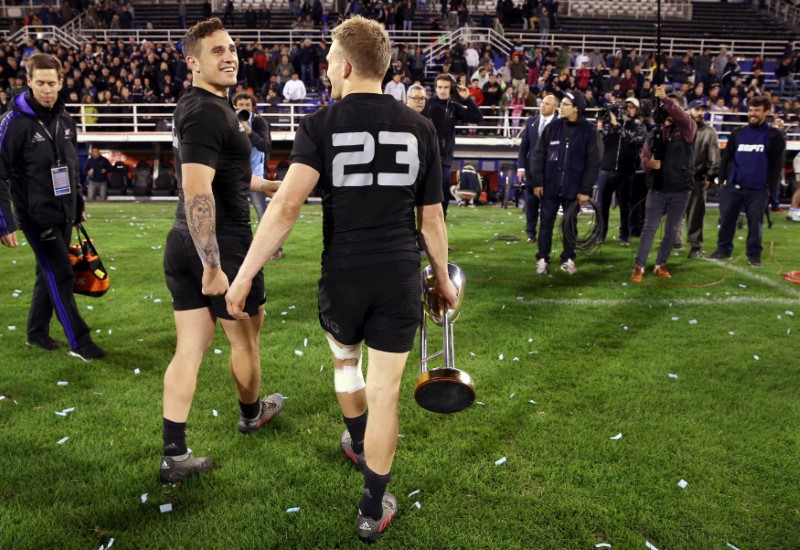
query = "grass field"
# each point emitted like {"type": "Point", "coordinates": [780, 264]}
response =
{"type": "Point", "coordinates": [699, 375]}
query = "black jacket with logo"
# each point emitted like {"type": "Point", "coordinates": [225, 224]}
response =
{"type": "Point", "coordinates": [27, 155]}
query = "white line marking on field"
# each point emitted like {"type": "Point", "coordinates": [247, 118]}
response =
{"type": "Point", "coordinates": [735, 300]}
{"type": "Point", "coordinates": [745, 272]}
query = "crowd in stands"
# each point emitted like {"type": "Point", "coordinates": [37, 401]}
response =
{"type": "Point", "coordinates": [508, 84]}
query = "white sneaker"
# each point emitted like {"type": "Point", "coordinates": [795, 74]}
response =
{"type": "Point", "coordinates": [541, 267]}
{"type": "Point", "coordinates": [569, 267]}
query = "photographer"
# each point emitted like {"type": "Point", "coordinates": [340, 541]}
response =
{"type": "Point", "coordinates": [449, 107]}
{"type": "Point", "coordinates": [623, 136]}
{"type": "Point", "coordinates": [257, 129]}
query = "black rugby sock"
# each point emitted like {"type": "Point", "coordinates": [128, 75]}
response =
{"type": "Point", "coordinates": [357, 427]}
{"type": "Point", "coordinates": [374, 488]}
{"type": "Point", "coordinates": [250, 411]}
{"type": "Point", "coordinates": [174, 438]}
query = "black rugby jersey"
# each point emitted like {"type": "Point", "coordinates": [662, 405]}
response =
{"type": "Point", "coordinates": [206, 131]}
{"type": "Point", "coordinates": [378, 160]}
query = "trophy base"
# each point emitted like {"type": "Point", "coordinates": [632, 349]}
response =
{"type": "Point", "coordinates": [444, 390]}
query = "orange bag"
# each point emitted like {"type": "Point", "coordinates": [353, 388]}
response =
{"type": "Point", "coordinates": [91, 277]}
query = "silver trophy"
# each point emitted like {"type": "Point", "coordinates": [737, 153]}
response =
{"type": "Point", "coordinates": [445, 389]}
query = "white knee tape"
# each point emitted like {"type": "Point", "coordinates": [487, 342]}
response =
{"type": "Point", "coordinates": [348, 379]}
{"type": "Point", "coordinates": [343, 353]}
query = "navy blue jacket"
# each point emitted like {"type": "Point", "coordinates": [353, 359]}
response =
{"type": "Point", "coordinates": [26, 157]}
{"type": "Point", "coordinates": [566, 167]}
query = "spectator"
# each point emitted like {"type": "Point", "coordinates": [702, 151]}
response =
{"type": "Point", "coordinates": [97, 169]}
{"type": "Point", "coordinates": [294, 91]}
{"type": "Point", "coordinates": [785, 81]}
{"type": "Point", "coordinates": [395, 88]}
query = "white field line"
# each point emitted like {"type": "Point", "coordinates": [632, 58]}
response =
{"type": "Point", "coordinates": [735, 300]}
{"type": "Point", "coordinates": [748, 272]}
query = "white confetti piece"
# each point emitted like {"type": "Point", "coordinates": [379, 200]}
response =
{"type": "Point", "coordinates": [417, 505]}
{"type": "Point", "coordinates": [2, 397]}
{"type": "Point", "coordinates": [69, 410]}
{"type": "Point", "coordinates": [647, 542]}
{"type": "Point", "coordinates": [515, 359]}
{"type": "Point", "coordinates": [12, 327]}
{"type": "Point", "coordinates": [500, 461]}
{"type": "Point", "coordinates": [683, 484]}
{"type": "Point", "coordinates": [472, 354]}
{"type": "Point", "coordinates": [412, 493]}
{"type": "Point", "coordinates": [292, 307]}
{"type": "Point", "coordinates": [401, 436]}
{"type": "Point", "coordinates": [731, 546]}
{"type": "Point", "coordinates": [98, 393]}
{"type": "Point", "coordinates": [298, 352]}
{"type": "Point", "coordinates": [112, 268]}
{"type": "Point", "coordinates": [788, 331]}
{"type": "Point", "coordinates": [110, 544]}
{"type": "Point", "coordinates": [292, 510]}
{"type": "Point", "coordinates": [531, 401]}
{"type": "Point", "coordinates": [618, 436]}
{"type": "Point", "coordinates": [321, 368]}
{"type": "Point", "coordinates": [62, 383]}
{"type": "Point", "coordinates": [512, 395]}
{"type": "Point", "coordinates": [284, 313]}
{"type": "Point", "coordinates": [602, 545]}
{"type": "Point", "coordinates": [60, 413]}
{"type": "Point", "coordinates": [157, 301]}
{"type": "Point", "coordinates": [90, 308]}
{"type": "Point", "coordinates": [143, 498]}
{"type": "Point", "coordinates": [756, 357]}
{"type": "Point", "coordinates": [742, 285]}
{"type": "Point", "coordinates": [217, 351]}
{"type": "Point", "coordinates": [731, 333]}
{"type": "Point", "coordinates": [165, 508]}
{"type": "Point", "coordinates": [779, 317]}
{"type": "Point", "coordinates": [789, 313]}
{"type": "Point", "coordinates": [97, 331]}
{"type": "Point", "coordinates": [109, 331]}
{"type": "Point", "coordinates": [624, 284]}
{"type": "Point", "coordinates": [305, 342]}
{"type": "Point", "coordinates": [501, 357]}
{"type": "Point", "coordinates": [692, 321]}
{"type": "Point", "coordinates": [530, 340]}
{"type": "Point", "coordinates": [136, 371]}
{"type": "Point", "coordinates": [671, 375]}
{"type": "Point", "coordinates": [480, 403]}
{"type": "Point", "coordinates": [62, 441]}
{"type": "Point", "coordinates": [214, 412]}
{"type": "Point", "coordinates": [624, 327]}
{"type": "Point", "coordinates": [675, 318]}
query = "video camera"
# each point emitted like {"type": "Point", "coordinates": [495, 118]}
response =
{"type": "Point", "coordinates": [605, 112]}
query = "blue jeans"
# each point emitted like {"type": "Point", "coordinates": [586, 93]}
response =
{"type": "Point", "coordinates": [446, 188]}
{"type": "Point", "coordinates": [658, 204]}
{"type": "Point", "coordinates": [259, 201]}
{"type": "Point", "coordinates": [732, 200]}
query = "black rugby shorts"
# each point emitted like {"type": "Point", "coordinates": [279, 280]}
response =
{"type": "Point", "coordinates": [184, 273]}
{"type": "Point", "coordinates": [379, 304]}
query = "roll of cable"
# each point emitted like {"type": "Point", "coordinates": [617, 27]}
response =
{"type": "Point", "coordinates": [578, 216]}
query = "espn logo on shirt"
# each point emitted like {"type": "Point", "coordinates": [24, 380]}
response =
{"type": "Point", "coordinates": [750, 148]}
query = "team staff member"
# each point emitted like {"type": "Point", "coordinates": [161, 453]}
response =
{"type": "Point", "coordinates": [565, 166]}
{"type": "Point", "coordinates": [416, 97]}
{"type": "Point", "coordinates": [39, 163]}
{"type": "Point", "coordinates": [534, 127]}
{"type": "Point", "coordinates": [447, 109]}
{"type": "Point", "coordinates": [751, 165]}
{"type": "Point", "coordinates": [207, 244]}
{"type": "Point", "coordinates": [376, 161]}
{"type": "Point", "coordinates": [669, 181]}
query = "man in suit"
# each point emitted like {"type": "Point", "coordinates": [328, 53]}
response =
{"type": "Point", "coordinates": [534, 127]}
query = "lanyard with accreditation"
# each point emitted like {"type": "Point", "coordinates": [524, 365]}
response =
{"type": "Point", "coordinates": [60, 172]}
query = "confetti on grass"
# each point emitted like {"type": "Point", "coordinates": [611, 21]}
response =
{"type": "Point", "coordinates": [602, 545]}
{"type": "Point", "coordinates": [500, 461]}
{"type": "Point", "coordinates": [165, 508]}
{"type": "Point", "coordinates": [62, 383]}
{"type": "Point", "coordinates": [673, 375]}
{"type": "Point", "coordinates": [143, 498]}
{"type": "Point", "coordinates": [214, 412]}
{"type": "Point", "coordinates": [731, 546]}
{"type": "Point", "coordinates": [618, 436]}
{"type": "Point", "coordinates": [693, 321]}
{"type": "Point", "coordinates": [683, 484]}
{"type": "Point", "coordinates": [756, 357]}
{"type": "Point", "coordinates": [298, 352]}
{"type": "Point", "coordinates": [412, 493]}
{"type": "Point", "coordinates": [12, 327]}
{"type": "Point", "coordinates": [292, 510]}
{"type": "Point", "coordinates": [136, 371]}
{"type": "Point", "coordinates": [62, 441]}
{"type": "Point", "coordinates": [217, 351]}
{"type": "Point", "coordinates": [417, 505]}
{"type": "Point", "coordinates": [649, 545]}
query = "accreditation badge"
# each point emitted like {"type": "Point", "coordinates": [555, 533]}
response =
{"type": "Point", "coordinates": [60, 176]}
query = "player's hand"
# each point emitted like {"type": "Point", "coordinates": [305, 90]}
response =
{"type": "Point", "coordinates": [215, 282]}
{"type": "Point", "coordinates": [521, 174]}
{"type": "Point", "coordinates": [583, 199]}
{"type": "Point", "coordinates": [269, 187]}
{"type": "Point", "coordinates": [654, 164]}
{"type": "Point", "coordinates": [538, 191]}
{"type": "Point", "coordinates": [10, 240]}
{"type": "Point", "coordinates": [463, 92]}
{"type": "Point", "coordinates": [246, 126]}
{"type": "Point", "coordinates": [447, 293]}
{"type": "Point", "coordinates": [235, 298]}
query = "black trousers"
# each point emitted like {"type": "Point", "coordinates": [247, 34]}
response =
{"type": "Point", "coordinates": [547, 221]}
{"type": "Point", "coordinates": [52, 290]}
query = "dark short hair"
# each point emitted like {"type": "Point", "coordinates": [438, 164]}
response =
{"type": "Point", "coordinates": [42, 61]}
{"type": "Point", "coordinates": [245, 95]}
{"type": "Point", "coordinates": [196, 33]}
{"type": "Point", "coordinates": [761, 101]}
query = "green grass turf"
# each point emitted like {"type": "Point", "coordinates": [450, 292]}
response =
{"type": "Point", "coordinates": [593, 351]}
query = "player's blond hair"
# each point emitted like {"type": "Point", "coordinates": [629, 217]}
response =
{"type": "Point", "coordinates": [365, 44]}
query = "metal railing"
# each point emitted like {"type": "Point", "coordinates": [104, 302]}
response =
{"type": "Point", "coordinates": [784, 11]}
{"type": "Point", "coordinates": [632, 9]}
{"type": "Point", "coordinates": [47, 33]}
{"type": "Point", "coordinates": [152, 120]}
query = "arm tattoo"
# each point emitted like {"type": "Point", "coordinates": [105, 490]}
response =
{"type": "Point", "coordinates": [201, 218]}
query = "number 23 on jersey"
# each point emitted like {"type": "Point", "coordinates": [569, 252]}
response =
{"type": "Point", "coordinates": [406, 159]}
